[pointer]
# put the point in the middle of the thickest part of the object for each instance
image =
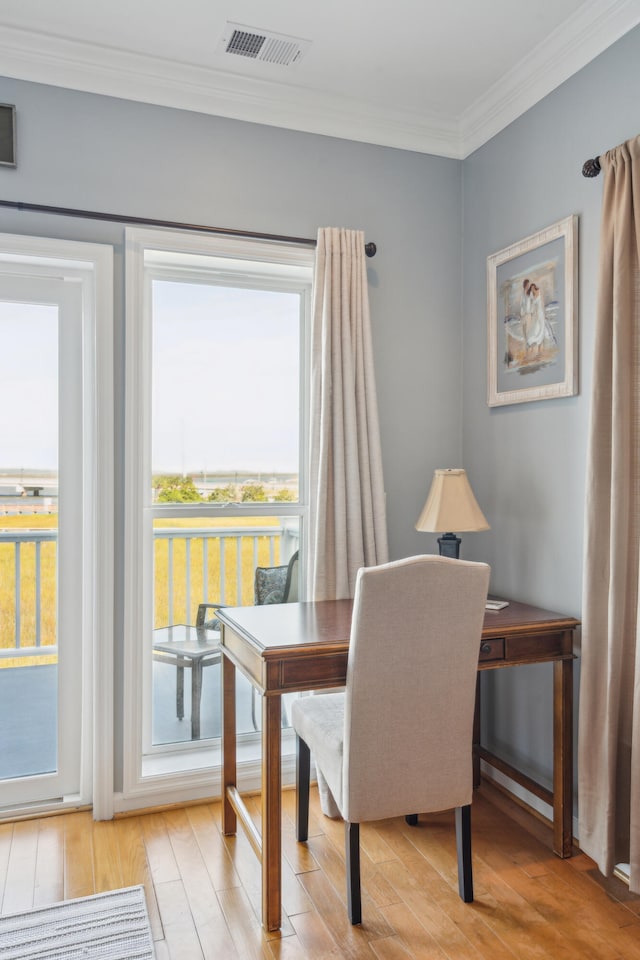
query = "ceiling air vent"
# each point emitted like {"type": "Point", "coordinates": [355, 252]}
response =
{"type": "Point", "coordinates": [262, 45]}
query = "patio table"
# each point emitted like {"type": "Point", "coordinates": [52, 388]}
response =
{"type": "Point", "coordinates": [192, 647]}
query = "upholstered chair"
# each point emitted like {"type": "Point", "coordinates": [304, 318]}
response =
{"type": "Point", "coordinates": [399, 739]}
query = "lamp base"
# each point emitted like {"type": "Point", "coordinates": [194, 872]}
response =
{"type": "Point", "coordinates": [449, 545]}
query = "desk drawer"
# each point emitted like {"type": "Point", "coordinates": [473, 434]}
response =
{"type": "Point", "coordinates": [307, 673]}
{"type": "Point", "coordinates": [492, 649]}
{"type": "Point", "coordinates": [539, 647]}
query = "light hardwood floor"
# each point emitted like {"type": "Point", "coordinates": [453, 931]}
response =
{"type": "Point", "coordinates": [203, 890]}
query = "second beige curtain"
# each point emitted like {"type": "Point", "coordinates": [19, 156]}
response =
{"type": "Point", "coordinates": [609, 726]}
{"type": "Point", "coordinates": [348, 522]}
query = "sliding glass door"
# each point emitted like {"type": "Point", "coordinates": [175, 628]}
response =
{"type": "Point", "coordinates": [40, 538]}
{"type": "Point", "coordinates": [56, 506]}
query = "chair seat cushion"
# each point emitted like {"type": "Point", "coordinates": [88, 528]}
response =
{"type": "Point", "coordinates": [319, 721]}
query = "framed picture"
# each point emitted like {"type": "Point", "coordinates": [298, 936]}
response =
{"type": "Point", "coordinates": [7, 135]}
{"type": "Point", "coordinates": [532, 320]}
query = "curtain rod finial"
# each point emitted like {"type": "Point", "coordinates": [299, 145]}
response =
{"type": "Point", "coordinates": [370, 249]}
{"type": "Point", "coordinates": [591, 168]}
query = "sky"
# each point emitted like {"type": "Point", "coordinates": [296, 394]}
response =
{"type": "Point", "coordinates": [225, 377]}
{"type": "Point", "coordinates": [28, 386]}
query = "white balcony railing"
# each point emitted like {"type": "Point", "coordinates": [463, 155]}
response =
{"type": "Point", "coordinates": [19, 644]}
{"type": "Point", "coordinates": [207, 547]}
{"type": "Point", "coordinates": [197, 570]}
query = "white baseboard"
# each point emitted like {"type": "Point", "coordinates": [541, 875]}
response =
{"type": "Point", "coordinates": [622, 871]}
{"type": "Point", "coordinates": [207, 786]}
{"type": "Point", "coordinates": [530, 799]}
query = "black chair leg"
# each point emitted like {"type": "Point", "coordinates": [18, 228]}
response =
{"type": "Point", "coordinates": [463, 844]}
{"type": "Point", "coordinates": [412, 819]}
{"type": "Point", "coordinates": [352, 845]}
{"type": "Point", "coordinates": [303, 772]}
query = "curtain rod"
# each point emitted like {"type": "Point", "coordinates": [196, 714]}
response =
{"type": "Point", "coordinates": [591, 168]}
{"type": "Point", "coordinates": [369, 248]}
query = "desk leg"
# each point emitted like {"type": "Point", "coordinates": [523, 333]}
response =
{"type": "Point", "coordinates": [563, 757]}
{"type": "Point", "coordinates": [228, 743]}
{"type": "Point", "coordinates": [271, 813]}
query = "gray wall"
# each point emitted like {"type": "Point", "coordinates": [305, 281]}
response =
{"type": "Point", "coordinates": [527, 461]}
{"type": "Point", "coordinates": [102, 154]}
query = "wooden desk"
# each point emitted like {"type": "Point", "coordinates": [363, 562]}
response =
{"type": "Point", "coordinates": [282, 648]}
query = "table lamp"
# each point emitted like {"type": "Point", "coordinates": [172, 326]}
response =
{"type": "Point", "coordinates": [451, 505]}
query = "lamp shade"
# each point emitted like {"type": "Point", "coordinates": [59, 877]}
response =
{"type": "Point", "coordinates": [451, 505]}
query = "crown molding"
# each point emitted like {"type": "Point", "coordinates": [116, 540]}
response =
{"type": "Point", "coordinates": [57, 61]}
{"type": "Point", "coordinates": [574, 44]}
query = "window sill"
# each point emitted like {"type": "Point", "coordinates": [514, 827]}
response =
{"type": "Point", "coordinates": [207, 758]}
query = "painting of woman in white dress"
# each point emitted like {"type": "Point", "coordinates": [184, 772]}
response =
{"type": "Point", "coordinates": [530, 313]}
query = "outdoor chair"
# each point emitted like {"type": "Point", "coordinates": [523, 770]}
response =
{"type": "Point", "coordinates": [277, 584]}
{"type": "Point", "coordinates": [399, 738]}
{"type": "Point", "coordinates": [271, 585]}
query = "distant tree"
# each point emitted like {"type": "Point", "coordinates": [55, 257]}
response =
{"type": "Point", "coordinates": [223, 494]}
{"type": "Point", "coordinates": [253, 493]}
{"type": "Point", "coordinates": [284, 494]}
{"type": "Point", "coordinates": [176, 489]}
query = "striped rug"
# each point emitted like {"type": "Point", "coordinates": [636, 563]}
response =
{"type": "Point", "coordinates": [107, 926]}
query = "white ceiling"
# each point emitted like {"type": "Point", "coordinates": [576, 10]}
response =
{"type": "Point", "coordinates": [436, 77]}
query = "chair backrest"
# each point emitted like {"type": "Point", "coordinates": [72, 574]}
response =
{"type": "Point", "coordinates": [291, 587]}
{"type": "Point", "coordinates": [277, 584]}
{"type": "Point", "coordinates": [411, 681]}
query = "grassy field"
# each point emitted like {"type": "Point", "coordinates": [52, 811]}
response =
{"type": "Point", "coordinates": [199, 590]}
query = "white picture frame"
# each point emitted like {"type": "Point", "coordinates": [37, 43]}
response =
{"type": "Point", "coordinates": [532, 342]}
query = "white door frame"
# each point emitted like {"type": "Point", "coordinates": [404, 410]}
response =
{"type": "Point", "coordinates": [89, 267]}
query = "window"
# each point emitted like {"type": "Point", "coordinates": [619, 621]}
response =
{"type": "Point", "coordinates": [216, 478]}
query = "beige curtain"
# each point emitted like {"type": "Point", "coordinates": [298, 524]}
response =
{"type": "Point", "coordinates": [609, 727]}
{"type": "Point", "coordinates": [348, 523]}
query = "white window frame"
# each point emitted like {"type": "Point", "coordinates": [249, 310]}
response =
{"type": "Point", "coordinates": [89, 265]}
{"type": "Point", "coordinates": [169, 774]}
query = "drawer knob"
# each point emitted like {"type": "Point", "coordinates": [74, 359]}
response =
{"type": "Point", "coordinates": [486, 648]}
